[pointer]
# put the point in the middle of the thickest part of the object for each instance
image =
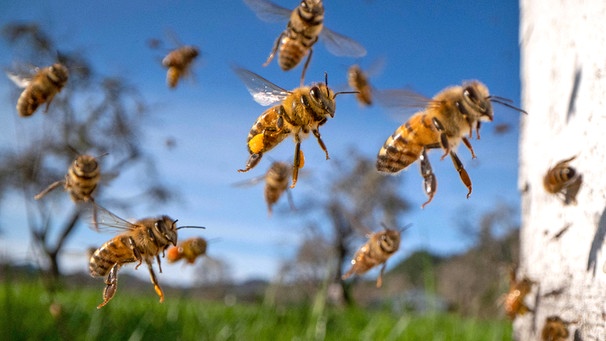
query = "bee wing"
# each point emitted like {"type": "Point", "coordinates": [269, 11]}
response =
{"type": "Point", "coordinates": [19, 80]}
{"type": "Point", "coordinates": [268, 11]}
{"type": "Point", "coordinates": [340, 45]}
{"type": "Point", "coordinates": [107, 220]}
{"type": "Point", "coordinates": [406, 99]}
{"type": "Point", "coordinates": [249, 182]}
{"type": "Point", "coordinates": [263, 91]}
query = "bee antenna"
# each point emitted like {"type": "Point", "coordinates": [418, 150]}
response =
{"type": "Point", "coordinates": [105, 154]}
{"type": "Point", "coordinates": [326, 79]}
{"type": "Point", "coordinates": [190, 227]}
{"type": "Point", "coordinates": [505, 102]}
{"type": "Point", "coordinates": [345, 92]}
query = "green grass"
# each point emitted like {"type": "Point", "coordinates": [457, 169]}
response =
{"type": "Point", "coordinates": [26, 316]}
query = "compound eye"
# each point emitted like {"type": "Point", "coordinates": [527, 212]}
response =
{"type": "Point", "coordinates": [315, 93]}
{"type": "Point", "coordinates": [303, 4]}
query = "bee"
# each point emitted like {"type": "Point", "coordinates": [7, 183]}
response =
{"type": "Point", "coordinates": [299, 112]}
{"type": "Point", "coordinates": [555, 329]}
{"type": "Point", "coordinates": [277, 181]}
{"type": "Point", "coordinates": [41, 88]}
{"type": "Point", "coordinates": [189, 249]}
{"type": "Point", "coordinates": [80, 181]}
{"type": "Point", "coordinates": [377, 250]}
{"type": "Point", "coordinates": [305, 26]}
{"type": "Point", "coordinates": [449, 118]}
{"type": "Point", "coordinates": [358, 80]}
{"type": "Point", "coordinates": [141, 241]}
{"type": "Point", "coordinates": [513, 300]}
{"type": "Point", "coordinates": [563, 179]}
{"type": "Point", "coordinates": [178, 62]}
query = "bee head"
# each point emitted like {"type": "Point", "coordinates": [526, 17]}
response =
{"type": "Point", "coordinates": [390, 240]}
{"type": "Point", "coordinates": [312, 7]}
{"type": "Point", "coordinates": [477, 100]}
{"type": "Point", "coordinates": [86, 164]}
{"type": "Point", "coordinates": [167, 228]}
{"type": "Point", "coordinates": [58, 74]}
{"type": "Point", "coordinates": [323, 97]}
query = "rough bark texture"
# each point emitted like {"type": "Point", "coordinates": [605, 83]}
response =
{"type": "Point", "coordinates": [563, 51]}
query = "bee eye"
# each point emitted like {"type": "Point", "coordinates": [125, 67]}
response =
{"type": "Point", "coordinates": [315, 93]}
{"type": "Point", "coordinates": [303, 4]}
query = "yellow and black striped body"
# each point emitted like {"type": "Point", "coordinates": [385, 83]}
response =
{"type": "Point", "coordinates": [358, 81]}
{"type": "Point", "coordinates": [564, 180]}
{"type": "Point", "coordinates": [304, 27]}
{"type": "Point", "coordinates": [144, 241]}
{"type": "Point", "coordinates": [42, 89]}
{"type": "Point", "coordinates": [82, 178]}
{"type": "Point", "coordinates": [178, 63]}
{"type": "Point", "coordinates": [276, 182]}
{"type": "Point", "coordinates": [378, 249]}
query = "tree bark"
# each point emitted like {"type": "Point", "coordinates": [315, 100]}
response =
{"type": "Point", "coordinates": [563, 58]}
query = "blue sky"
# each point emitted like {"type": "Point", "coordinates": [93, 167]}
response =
{"type": "Point", "coordinates": [425, 45]}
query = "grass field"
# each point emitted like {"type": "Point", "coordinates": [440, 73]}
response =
{"type": "Point", "coordinates": [26, 311]}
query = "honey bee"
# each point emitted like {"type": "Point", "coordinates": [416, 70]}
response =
{"type": "Point", "coordinates": [513, 300]}
{"type": "Point", "coordinates": [80, 181]}
{"type": "Point", "coordinates": [555, 329]}
{"type": "Point", "coordinates": [305, 26]}
{"type": "Point", "coordinates": [189, 249]}
{"type": "Point", "coordinates": [141, 241]}
{"type": "Point", "coordinates": [299, 111]}
{"type": "Point", "coordinates": [178, 62]}
{"type": "Point", "coordinates": [41, 88]}
{"type": "Point", "coordinates": [449, 118]}
{"type": "Point", "coordinates": [358, 80]}
{"type": "Point", "coordinates": [563, 180]}
{"type": "Point", "coordinates": [277, 181]}
{"type": "Point", "coordinates": [377, 250]}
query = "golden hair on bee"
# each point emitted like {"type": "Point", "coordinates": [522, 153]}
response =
{"type": "Point", "coordinates": [178, 63]}
{"type": "Point", "coordinates": [40, 88]}
{"type": "Point", "coordinates": [141, 241]}
{"type": "Point", "coordinates": [450, 117]}
{"type": "Point", "coordinates": [188, 250]}
{"type": "Point", "coordinates": [563, 180]}
{"type": "Point", "coordinates": [295, 113]}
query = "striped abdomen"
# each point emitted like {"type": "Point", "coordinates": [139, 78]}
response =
{"type": "Point", "coordinates": [118, 250]}
{"type": "Point", "coordinates": [264, 134]}
{"type": "Point", "coordinates": [82, 178]}
{"type": "Point", "coordinates": [406, 144]}
{"type": "Point", "coordinates": [276, 182]}
{"type": "Point", "coordinates": [301, 34]}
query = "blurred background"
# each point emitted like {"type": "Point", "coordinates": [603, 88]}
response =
{"type": "Point", "coordinates": [177, 152]}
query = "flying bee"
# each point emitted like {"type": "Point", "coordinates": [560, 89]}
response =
{"type": "Point", "coordinates": [305, 26]}
{"type": "Point", "coordinates": [189, 250]}
{"type": "Point", "coordinates": [555, 329]}
{"type": "Point", "coordinates": [178, 62]}
{"type": "Point", "coordinates": [513, 300]}
{"type": "Point", "coordinates": [563, 180]}
{"type": "Point", "coordinates": [358, 80]}
{"type": "Point", "coordinates": [40, 88]}
{"type": "Point", "coordinates": [377, 250]}
{"type": "Point", "coordinates": [80, 181]}
{"type": "Point", "coordinates": [449, 118]}
{"type": "Point", "coordinates": [277, 181]}
{"type": "Point", "coordinates": [299, 112]}
{"type": "Point", "coordinates": [141, 241]}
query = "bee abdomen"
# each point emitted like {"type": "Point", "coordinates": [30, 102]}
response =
{"type": "Point", "coordinates": [397, 153]}
{"type": "Point", "coordinates": [102, 261]}
{"type": "Point", "coordinates": [291, 53]}
{"type": "Point", "coordinates": [172, 76]}
{"type": "Point", "coordinates": [29, 101]}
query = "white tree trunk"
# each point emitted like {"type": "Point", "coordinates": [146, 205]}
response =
{"type": "Point", "coordinates": [563, 51]}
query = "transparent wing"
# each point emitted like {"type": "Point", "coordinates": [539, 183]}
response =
{"type": "Point", "coordinates": [263, 91]}
{"type": "Point", "coordinates": [402, 98]}
{"type": "Point", "coordinates": [249, 182]}
{"type": "Point", "coordinates": [340, 45]}
{"type": "Point", "coordinates": [106, 220]}
{"type": "Point", "coordinates": [19, 80]}
{"type": "Point", "coordinates": [268, 11]}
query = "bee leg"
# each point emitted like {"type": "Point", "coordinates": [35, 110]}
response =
{"type": "Point", "coordinates": [253, 160]}
{"type": "Point", "coordinates": [111, 285]}
{"type": "Point", "coordinates": [311, 51]}
{"type": "Point", "coordinates": [322, 145]}
{"type": "Point", "coordinates": [443, 137]}
{"type": "Point", "coordinates": [291, 202]}
{"type": "Point", "coordinates": [462, 172]}
{"type": "Point", "coordinates": [48, 102]}
{"type": "Point", "coordinates": [296, 162]}
{"type": "Point", "coordinates": [154, 281]}
{"type": "Point", "coordinates": [468, 145]}
{"type": "Point", "coordinates": [49, 188]}
{"type": "Point", "coordinates": [274, 50]}
{"type": "Point", "coordinates": [429, 179]}
{"type": "Point", "coordinates": [380, 278]}
{"type": "Point", "coordinates": [159, 264]}
{"type": "Point", "coordinates": [478, 130]}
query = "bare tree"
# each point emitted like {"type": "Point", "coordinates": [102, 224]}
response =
{"type": "Point", "coordinates": [359, 201]}
{"type": "Point", "coordinates": [93, 114]}
{"type": "Point", "coordinates": [563, 51]}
